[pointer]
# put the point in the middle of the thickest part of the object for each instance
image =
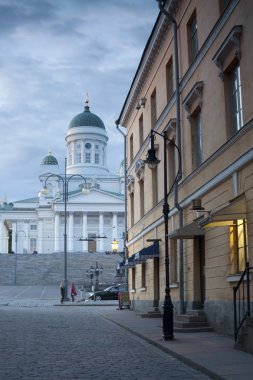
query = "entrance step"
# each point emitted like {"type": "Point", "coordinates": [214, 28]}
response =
{"type": "Point", "coordinates": [154, 313]}
{"type": "Point", "coordinates": [192, 321]}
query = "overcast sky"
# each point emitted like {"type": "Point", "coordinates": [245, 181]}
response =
{"type": "Point", "coordinates": [53, 52]}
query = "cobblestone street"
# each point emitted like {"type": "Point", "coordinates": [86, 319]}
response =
{"type": "Point", "coordinates": [43, 343]}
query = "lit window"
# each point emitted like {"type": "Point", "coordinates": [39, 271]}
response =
{"type": "Point", "coordinates": [238, 246]}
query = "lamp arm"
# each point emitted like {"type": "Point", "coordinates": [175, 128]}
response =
{"type": "Point", "coordinates": [179, 156]}
{"type": "Point", "coordinates": [54, 175]}
{"type": "Point", "coordinates": [76, 175]}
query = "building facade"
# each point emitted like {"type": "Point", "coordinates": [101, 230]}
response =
{"type": "Point", "coordinates": [94, 204]}
{"type": "Point", "coordinates": [210, 180]}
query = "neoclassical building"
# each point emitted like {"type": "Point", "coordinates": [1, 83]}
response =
{"type": "Point", "coordinates": [94, 204]}
{"type": "Point", "coordinates": [201, 102]}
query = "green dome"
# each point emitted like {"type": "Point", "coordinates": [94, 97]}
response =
{"type": "Point", "coordinates": [49, 160]}
{"type": "Point", "coordinates": [86, 119]}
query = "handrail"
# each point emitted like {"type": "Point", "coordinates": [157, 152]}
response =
{"type": "Point", "coordinates": [242, 301]}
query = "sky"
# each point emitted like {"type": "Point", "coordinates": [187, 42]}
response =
{"type": "Point", "coordinates": [54, 52]}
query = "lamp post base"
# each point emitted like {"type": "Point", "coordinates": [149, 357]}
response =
{"type": "Point", "coordinates": [168, 318]}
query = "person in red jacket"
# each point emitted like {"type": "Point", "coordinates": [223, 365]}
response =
{"type": "Point", "coordinates": [73, 292]}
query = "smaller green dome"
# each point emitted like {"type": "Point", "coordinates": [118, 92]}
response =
{"type": "Point", "coordinates": [86, 119]}
{"type": "Point", "coordinates": [49, 160]}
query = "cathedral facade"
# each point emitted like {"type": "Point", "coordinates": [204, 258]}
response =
{"type": "Point", "coordinates": [85, 204]}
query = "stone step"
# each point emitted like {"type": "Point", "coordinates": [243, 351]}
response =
{"type": "Point", "coordinates": [181, 324]}
{"type": "Point", "coordinates": [192, 329]}
{"type": "Point", "coordinates": [190, 318]}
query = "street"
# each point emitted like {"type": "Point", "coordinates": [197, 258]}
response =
{"type": "Point", "coordinates": [53, 342]}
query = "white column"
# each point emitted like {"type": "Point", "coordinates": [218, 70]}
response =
{"type": "Point", "coordinates": [57, 232]}
{"type": "Point", "coordinates": [40, 236]}
{"type": "Point", "coordinates": [71, 232]}
{"type": "Point", "coordinates": [101, 232]}
{"type": "Point", "coordinates": [114, 226]}
{"type": "Point", "coordinates": [14, 237]}
{"type": "Point", "coordinates": [85, 232]}
{"type": "Point", "coordinates": [26, 240]}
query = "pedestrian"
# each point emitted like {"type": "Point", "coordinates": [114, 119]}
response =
{"type": "Point", "coordinates": [62, 288]}
{"type": "Point", "coordinates": [73, 292]}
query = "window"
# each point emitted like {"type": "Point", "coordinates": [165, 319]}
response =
{"type": "Point", "coordinates": [33, 227]}
{"type": "Point", "coordinates": [234, 78]}
{"type": "Point", "coordinates": [131, 209]}
{"type": "Point", "coordinates": [141, 183]}
{"type": "Point", "coordinates": [197, 148]}
{"type": "Point", "coordinates": [141, 130]}
{"type": "Point", "coordinates": [169, 79]}
{"type": "Point", "coordinates": [154, 187]}
{"type": "Point", "coordinates": [96, 158]}
{"type": "Point", "coordinates": [87, 158]}
{"type": "Point", "coordinates": [238, 246]}
{"type": "Point", "coordinates": [171, 164]}
{"type": "Point", "coordinates": [78, 157]}
{"type": "Point", "coordinates": [153, 109]}
{"type": "Point", "coordinates": [173, 261]}
{"type": "Point", "coordinates": [131, 149]}
{"type": "Point", "coordinates": [192, 29]}
{"type": "Point", "coordinates": [33, 244]}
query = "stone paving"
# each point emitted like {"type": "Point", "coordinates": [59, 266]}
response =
{"type": "Point", "coordinates": [67, 343]}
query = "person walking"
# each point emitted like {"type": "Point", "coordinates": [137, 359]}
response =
{"type": "Point", "coordinates": [62, 289]}
{"type": "Point", "coordinates": [73, 292]}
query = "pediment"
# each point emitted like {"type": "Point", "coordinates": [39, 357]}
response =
{"type": "Point", "coordinates": [96, 196]}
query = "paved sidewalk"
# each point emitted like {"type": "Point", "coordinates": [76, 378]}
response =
{"type": "Point", "coordinates": [209, 352]}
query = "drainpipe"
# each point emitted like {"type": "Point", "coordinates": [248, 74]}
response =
{"type": "Point", "coordinates": [125, 179]}
{"type": "Point", "coordinates": [178, 140]}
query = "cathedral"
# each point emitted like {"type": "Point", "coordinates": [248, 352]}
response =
{"type": "Point", "coordinates": [84, 205]}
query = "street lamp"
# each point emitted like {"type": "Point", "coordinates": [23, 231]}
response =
{"type": "Point", "coordinates": [98, 272]}
{"type": "Point", "coordinates": [171, 18]}
{"type": "Point", "coordinates": [65, 182]}
{"type": "Point", "coordinates": [90, 274]}
{"type": "Point", "coordinates": [152, 162]}
{"type": "Point", "coordinates": [115, 245]}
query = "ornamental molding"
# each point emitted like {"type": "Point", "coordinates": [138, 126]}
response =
{"type": "Point", "coordinates": [130, 184]}
{"type": "Point", "coordinates": [139, 169]}
{"type": "Point", "coordinates": [195, 94]}
{"type": "Point", "coordinates": [232, 42]}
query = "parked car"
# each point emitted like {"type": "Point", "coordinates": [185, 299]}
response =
{"type": "Point", "coordinates": [110, 293]}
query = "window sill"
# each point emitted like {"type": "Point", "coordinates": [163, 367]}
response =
{"type": "Point", "coordinates": [132, 290]}
{"type": "Point", "coordinates": [143, 289]}
{"type": "Point", "coordinates": [174, 285]}
{"type": "Point", "coordinates": [235, 277]}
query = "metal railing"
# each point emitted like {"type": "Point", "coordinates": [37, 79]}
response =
{"type": "Point", "coordinates": [242, 300]}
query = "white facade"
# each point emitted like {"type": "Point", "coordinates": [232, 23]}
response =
{"type": "Point", "coordinates": [38, 224]}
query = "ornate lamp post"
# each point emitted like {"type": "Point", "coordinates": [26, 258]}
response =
{"type": "Point", "coordinates": [90, 274]}
{"type": "Point", "coordinates": [115, 245]}
{"type": "Point", "coordinates": [98, 272]}
{"type": "Point", "coordinates": [65, 182]}
{"type": "Point", "coordinates": [152, 162]}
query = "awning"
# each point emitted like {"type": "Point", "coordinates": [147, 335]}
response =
{"type": "Point", "coordinates": [189, 231]}
{"type": "Point", "coordinates": [130, 261]}
{"type": "Point", "coordinates": [147, 253]}
{"type": "Point", "coordinates": [233, 210]}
